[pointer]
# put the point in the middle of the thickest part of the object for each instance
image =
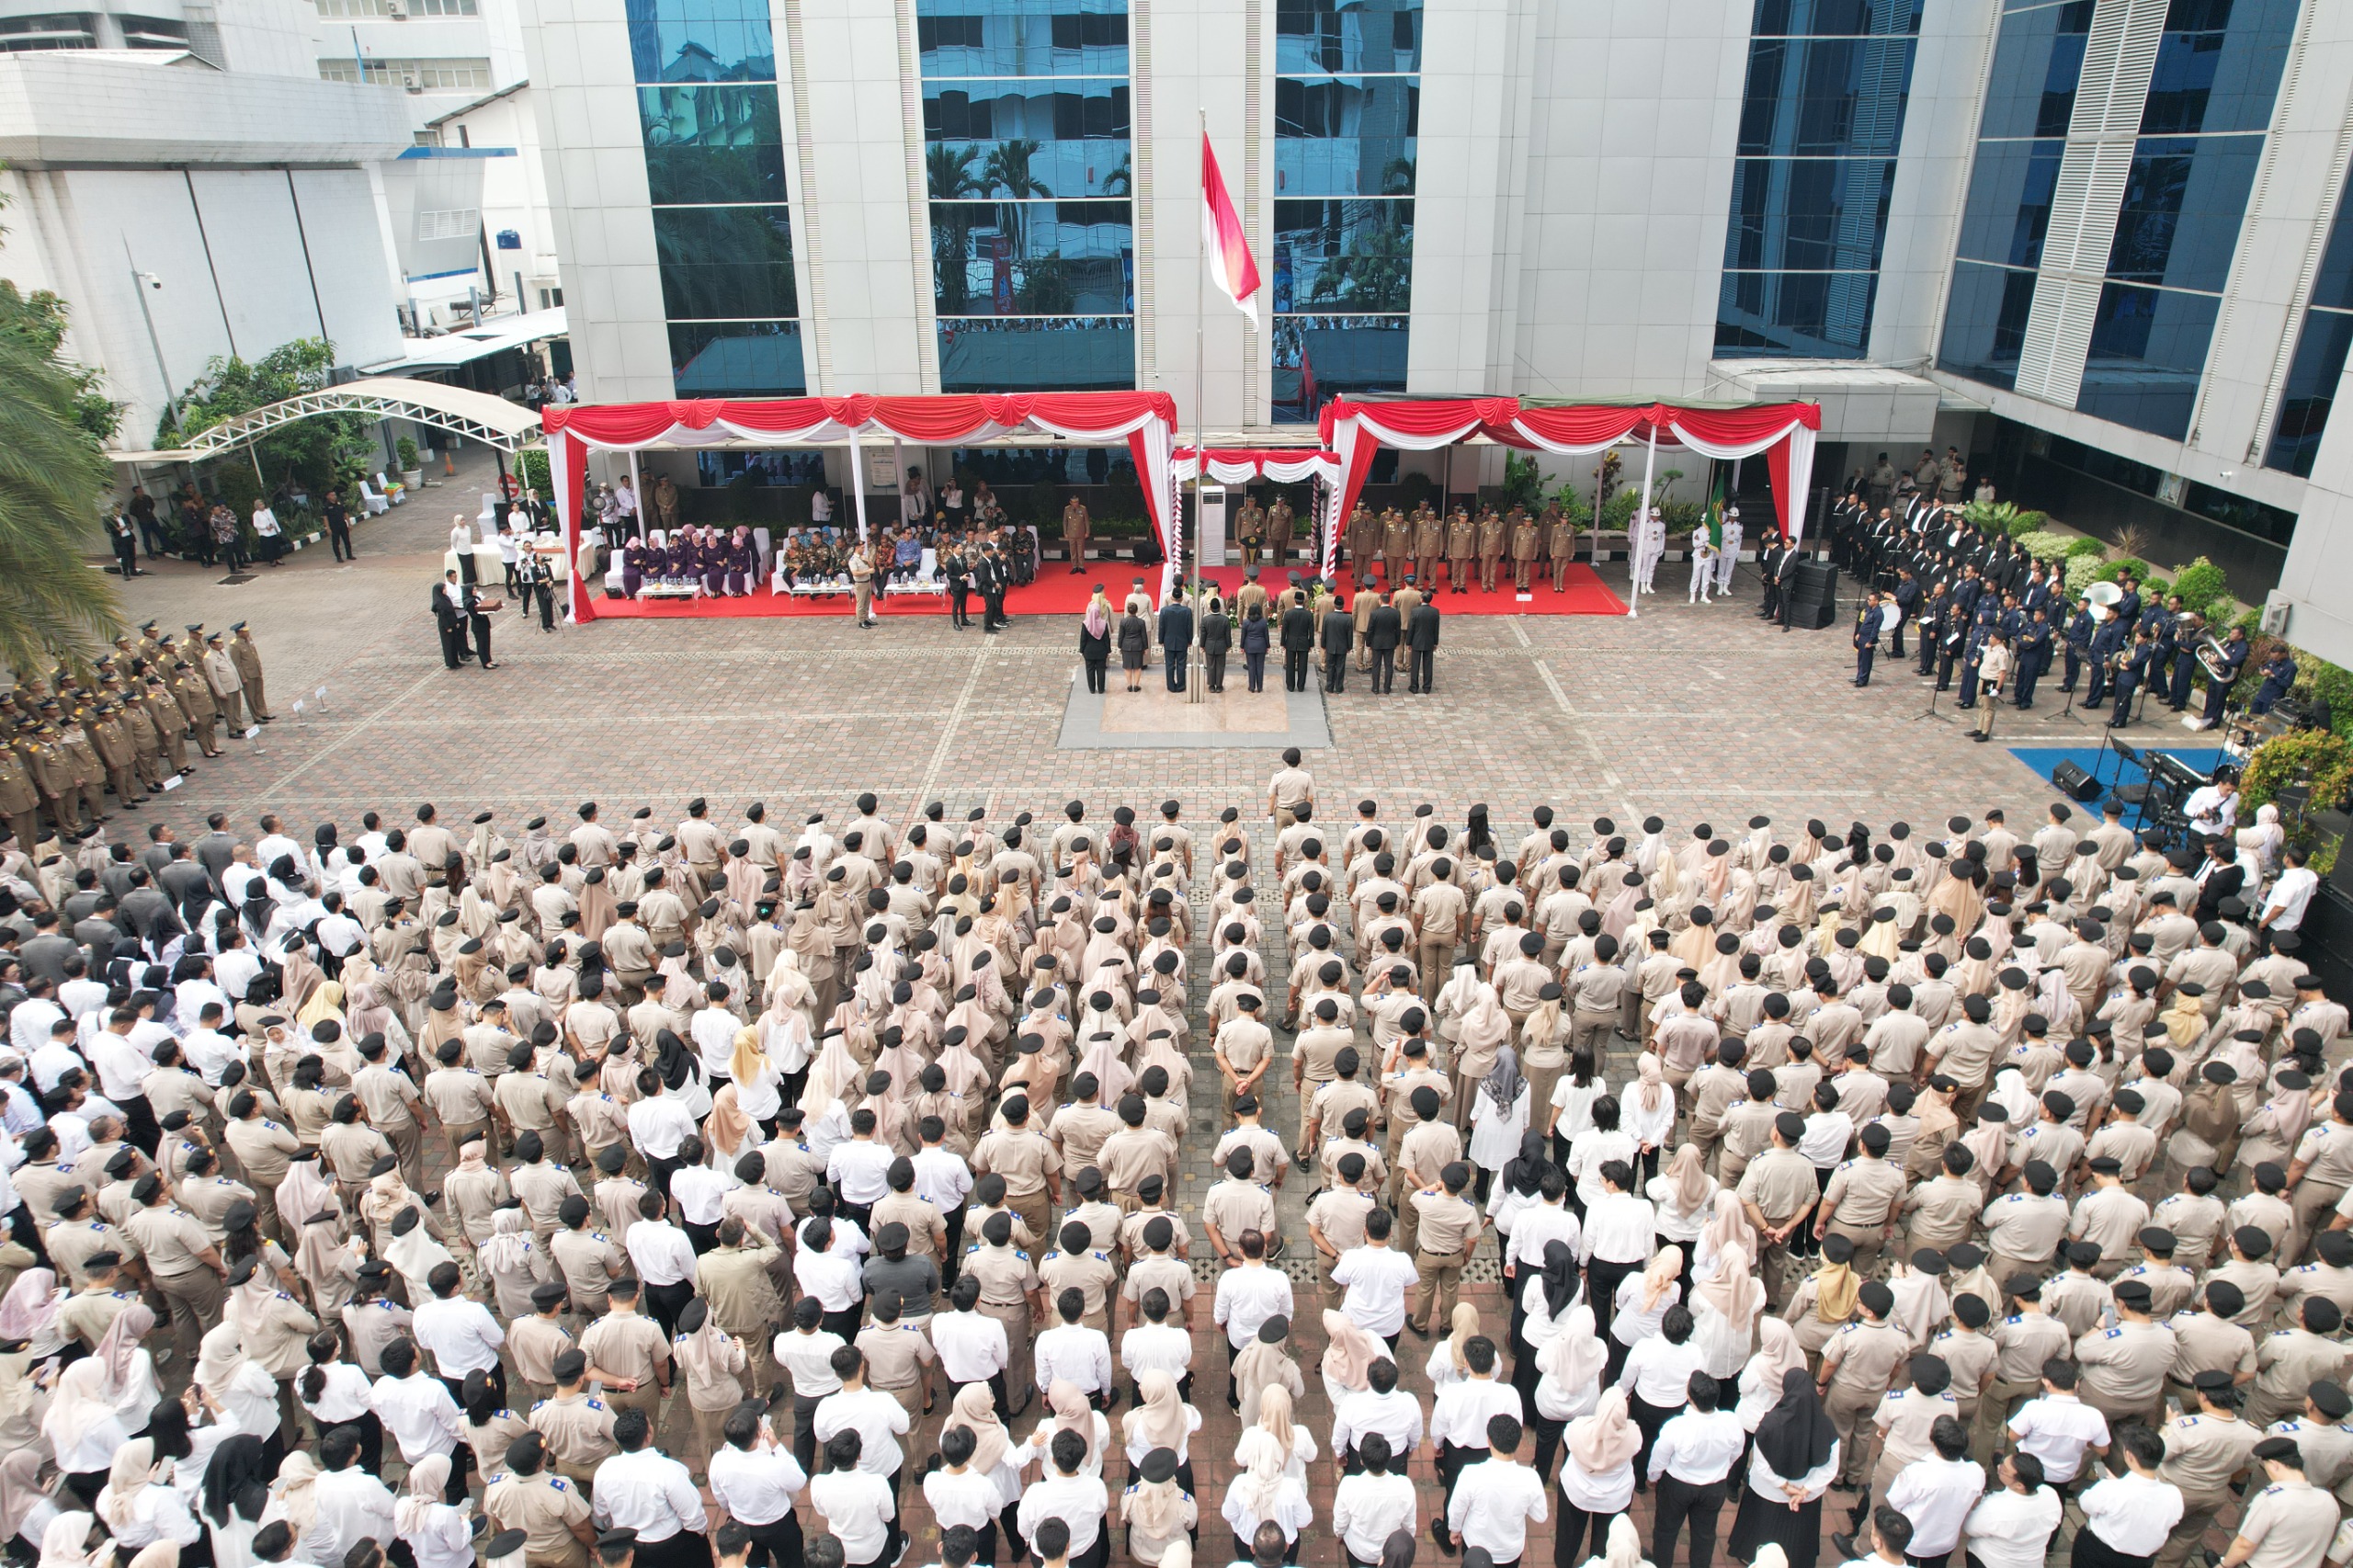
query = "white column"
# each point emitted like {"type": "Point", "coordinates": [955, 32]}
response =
{"type": "Point", "coordinates": [857, 486]}
{"type": "Point", "coordinates": [1641, 531]}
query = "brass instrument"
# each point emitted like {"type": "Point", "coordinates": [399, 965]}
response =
{"type": "Point", "coordinates": [2212, 658]}
{"type": "Point", "coordinates": [2102, 599]}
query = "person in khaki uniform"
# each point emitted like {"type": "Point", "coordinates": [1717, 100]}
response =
{"type": "Point", "coordinates": [1860, 1201]}
{"type": "Point", "coordinates": [1238, 1204]}
{"type": "Point", "coordinates": [112, 743]}
{"type": "Point", "coordinates": [1076, 525]}
{"type": "Point", "coordinates": [551, 1511]}
{"type": "Point", "coordinates": [627, 1347]}
{"type": "Point", "coordinates": [227, 687]}
{"type": "Point", "coordinates": [898, 1357]}
{"type": "Point", "coordinates": [1560, 548]}
{"type": "Point", "coordinates": [85, 773]}
{"type": "Point", "coordinates": [1446, 1232]}
{"type": "Point", "coordinates": [2290, 1523]}
{"type": "Point", "coordinates": [2124, 1368]}
{"type": "Point", "coordinates": [195, 700]}
{"type": "Point", "coordinates": [247, 658]}
{"type": "Point", "coordinates": [1009, 1284]}
{"type": "Point", "coordinates": [1526, 546]}
{"type": "Point", "coordinates": [576, 1428]}
{"type": "Point", "coordinates": [1336, 1223]}
{"type": "Point", "coordinates": [1491, 548]}
{"type": "Point", "coordinates": [1430, 540]}
{"type": "Point", "coordinates": [2022, 1343]}
{"type": "Point", "coordinates": [1364, 543]}
{"type": "Point", "coordinates": [171, 723]}
{"type": "Point", "coordinates": [588, 1260]}
{"type": "Point", "coordinates": [2206, 1453]}
{"type": "Point", "coordinates": [1461, 545]}
{"type": "Point", "coordinates": [51, 775]}
{"type": "Point", "coordinates": [1020, 1153]}
{"type": "Point", "coordinates": [1777, 1189]}
{"type": "Point", "coordinates": [19, 800]}
{"type": "Point", "coordinates": [2291, 1360]}
{"type": "Point", "coordinates": [1396, 546]}
{"type": "Point", "coordinates": [533, 1343]}
{"type": "Point", "coordinates": [1278, 527]}
{"type": "Point", "coordinates": [1076, 1265]}
{"type": "Point", "coordinates": [146, 744]}
{"type": "Point", "coordinates": [181, 1260]}
{"type": "Point", "coordinates": [1859, 1365]}
{"type": "Point", "coordinates": [1250, 529]}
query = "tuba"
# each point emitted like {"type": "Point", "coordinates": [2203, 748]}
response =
{"type": "Point", "coordinates": [2212, 659]}
{"type": "Point", "coordinates": [2103, 598]}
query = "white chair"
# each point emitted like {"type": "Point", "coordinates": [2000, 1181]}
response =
{"type": "Point", "coordinates": [372, 501]}
{"type": "Point", "coordinates": [394, 491]}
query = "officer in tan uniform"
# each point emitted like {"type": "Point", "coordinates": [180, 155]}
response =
{"type": "Point", "coordinates": [19, 798]}
{"type": "Point", "coordinates": [2124, 1368]}
{"type": "Point", "coordinates": [84, 772]}
{"type": "Point", "coordinates": [576, 1428]}
{"type": "Point", "coordinates": [2290, 1523]}
{"type": "Point", "coordinates": [227, 687]}
{"type": "Point", "coordinates": [195, 700]}
{"type": "Point", "coordinates": [1526, 546]}
{"type": "Point", "coordinates": [1561, 545]}
{"type": "Point", "coordinates": [2289, 1360]}
{"type": "Point", "coordinates": [1396, 545]}
{"type": "Point", "coordinates": [1446, 1232]}
{"type": "Point", "coordinates": [1461, 544]}
{"type": "Point", "coordinates": [1860, 1201]}
{"type": "Point", "coordinates": [1859, 1365]}
{"type": "Point", "coordinates": [1075, 523]}
{"type": "Point", "coordinates": [550, 1511]}
{"type": "Point", "coordinates": [146, 742]}
{"type": "Point", "coordinates": [630, 1346]}
{"type": "Point", "coordinates": [1020, 1153]}
{"type": "Point", "coordinates": [112, 743]}
{"type": "Point", "coordinates": [1280, 520]}
{"type": "Point", "coordinates": [171, 723]}
{"type": "Point", "coordinates": [1429, 541]}
{"type": "Point", "coordinates": [1009, 1286]}
{"type": "Point", "coordinates": [1250, 529]}
{"type": "Point", "coordinates": [247, 658]}
{"type": "Point", "coordinates": [2206, 1453]}
{"type": "Point", "coordinates": [533, 1343]}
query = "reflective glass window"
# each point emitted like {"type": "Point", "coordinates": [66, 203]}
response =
{"type": "Point", "coordinates": [1809, 215]}
{"type": "Point", "coordinates": [700, 40]}
{"type": "Point", "coordinates": [2038, 63]}
{"type": "Point", "coordinates": [1812, 315]}
{"type": "Point", "coordinates": [1344, 256]}
{"type": "Point", "coordinates": [1319, 357]}
{"type": "Point", "coordinates": [1017, 354]}
{"type": "Point", "coordinates": [2319, 361]}
{"type": "Point", "coordinates": [1021, 38]}
{"type": "Point", "coordinates": [2183, 203]}
{"type": "Point", "coordinates": [2218, 67]}
{"type": "Point", "coordinates": [2148, 352]}
{"type": "Point", "coordinates": [1346, 136]}
{"type": "Point", "coordinates": [1026, 138]}
{"type": "Point", "coordinates": [1986, 318]}
{"type": "Point", "coordinates": [726, 263]}
{"type": "Point", "coordinates": [1826, 97]}
{"type": "Point", "coordinates": [1315, 36]}
{"type": "Point", "coordinates": [738, 358]}
{"type": "Point", "coordinates": [2009, 210]}
{"type": "Point", "coordinates": [706, 145]}
{"type": "Point", "coordinates": [1033, 258]}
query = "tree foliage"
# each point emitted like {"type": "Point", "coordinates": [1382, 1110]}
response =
{"type": "Point", "coordinates": [324, 451]}
{"type": "Point", "coordinates": [39, 322]}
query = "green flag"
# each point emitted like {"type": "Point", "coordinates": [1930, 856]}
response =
{"type": "Point", "coordinates": [1716, 506]}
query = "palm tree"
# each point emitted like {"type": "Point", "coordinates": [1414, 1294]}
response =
{"type": "Point", "coordinates": [948, 172]}
{"type": "Point", "coordinates": [1008, 170]}
{"type": "Point", "coordinates": [51, 475]}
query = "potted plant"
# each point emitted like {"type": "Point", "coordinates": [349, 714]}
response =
{"type": "Point", "coordinates": [412, 469]}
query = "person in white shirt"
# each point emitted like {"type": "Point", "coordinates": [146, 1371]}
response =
{"type": "Point", "coordinates": [971, 1345]}
{"type": "Point", "coordinates": [353, 1505]}
{"type": "Point", "coordinates": [2284, 905]}
{"type": "Point", "coordinates": [1495, 1501]}
{"type": "Point", "coordinates": [2058, 1427]}
{"type": "Point", "coordinates": [1657, 1376]}
{"type": "Point", "coordinates": [1619, 1231]}
{"type": "Point", "coordinates": [1937, 1494]}
{"type": "Point", "coordinates": [460, 1331]}
{"type": "Point", "coordinates": [1372, 1504]}
{"type": "Point", "coordinates": [643, 1489]}
{"type": "Point", "coordinates": [1690, 1467]}
{"type": "Point", "coordinates": [1383, 1410]}
{"type": "Point", "coordinates": [755, 1478]}
{"type": "Point", "coordinates": [1248, 1295]}
{"type": "Point", "coordinates": [877, 1418]}
{"type": "Point", "coordinates": [1073, 1352]}
{"type": "Point", "coordinates": [416, 1408]}
{"type": "Point", "coordinates": [1459, 1418]}
{"type": "Point", "coordinates": [1376, 1278]}
{"type": "Point", "coordinates": [859, 1169]}
{"type": "Point", "coordinates": [1069, 1497]}
{"type": "Point", "coordinates": [664, 1260]}
{"type": "Point", "coordinates": [2128, 1517]}
{"type": "Point", "coordinates": [962, 1494]}
{"type": "Point", "coordinates": [805, 1351]}
{"type": "Point", "coordinates": [1156, 1345]}
{"type": "Point", "coordinates": [2011, 1526]}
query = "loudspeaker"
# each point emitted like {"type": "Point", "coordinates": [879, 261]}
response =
{"type": "Point", "coordinates": [1807, 616]}
{"type": "Point", "coordinates": [1814, 580]}
{"type": "Point", "coordinates": [2077, 783]}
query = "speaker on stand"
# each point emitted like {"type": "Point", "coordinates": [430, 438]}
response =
{"type": "Point", "coordinates": [1813, 596]}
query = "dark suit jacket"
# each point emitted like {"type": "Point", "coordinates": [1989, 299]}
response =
{"type": "Point", "coordinates": [1298, 629]}
{"type": "Point", "coordinates": [445, 613]}
{"type": "Point", "coordinates": [1175, 626]}
{"type": "Point", "coordinates": [1217, 634]}
{"type": "Point", "coordinates": [1421, 631]}
{"type": "Point", "coordinates": [1386, 630]}
{"type": "Point", "coordinates": [1339, 631]}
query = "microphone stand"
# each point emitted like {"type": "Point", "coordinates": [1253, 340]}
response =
{"type": "Point", "coordinates": [1930, 712]}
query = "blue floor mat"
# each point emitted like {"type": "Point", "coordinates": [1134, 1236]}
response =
{"type": "Point", "coordinates": [2110, 769]}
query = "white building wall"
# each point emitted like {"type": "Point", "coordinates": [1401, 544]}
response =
{"type": "Point", "coordinates": [1932, 178]}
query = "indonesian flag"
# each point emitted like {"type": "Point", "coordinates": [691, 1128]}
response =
{"type": "Point", "coordinates": [1228, 253]}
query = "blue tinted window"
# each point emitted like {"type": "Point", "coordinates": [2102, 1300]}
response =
{"type": "Point", "coordinates": [2333, 286]}
{"type": "Point", "coordinates": [1317, 359]}
{"type": "Point", "coordinates": [1344, 256]}
{"type": "Point", "coordinates": [1346, 136]}
{"type": "Point", "coordinates": [1011, 353]}
{"type": "Point", "coordinates": [1022, 38]}
{"type": "Point", "coordinates": [1985, 322]}
{"type": "Point", "coordinates": [2148, 350]}
{"type": "Point", "coordinates": [2218, 65]}
{"type": "Point", "coordinates": [2010, 202]}
{"type": "Point", "coordinates": [1033, 258]}
{"type": "Point", "coordinates": [1808, 214]}
{"type": "Point", "coordinates": [712, 144]}
{"type": "Point", "coordinates": [1313, 36]}
{"type": "Point", "coordinates": [2183, 202]}
{"type": "Point", "coordinates": [738, 358]}
{"type": "Point", "coordinates": [1826, 97]}
{"type": "Point", "coordinates": [1832, 19]}
{"type": "Point", "coordinates": [726, 263]}
{"type": "Point", "coordinates": [2304, 403]}
{"type": "Point", "coordinates": [701, 40]}
{"type": "Point", "coordinates": [2038, 62]}
{"type": "Point", "coordinates": [1814, 315]}
{"type": "Point", "coordinates": [1026, 138]}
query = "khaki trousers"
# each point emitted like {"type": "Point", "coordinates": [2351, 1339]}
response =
{"type": "Point", "coordinates": [1438, 1284]}
{"type": "Point", "coordinates": [1849, 1410]}
{"type": "Point", "coordinates": [195, 1300]}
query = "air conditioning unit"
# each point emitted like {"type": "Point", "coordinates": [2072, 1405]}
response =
{"type": "Point", "coordinates": [396, 9]}
{"type": "Point", "coordinates": [2276, 605]}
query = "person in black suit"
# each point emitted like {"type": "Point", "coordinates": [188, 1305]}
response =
{"type": "Point", "coordinates": [1382, 635]}
{"type": "Point", "coordinates": [450, 619]}
{"type": "Point", "coordinates": [1176, 640]}
{"type": "Point", "coordinates": [1421, 645]}
{"type": "Point", "coordinates": [1217, 638]}
{"type": "Point", "coordinates": [1299, 638]}
{"type": "Point", "coordinates": [478, 622]}
{"type": "Point", "coordinates": [1867, 625]}
{"type": "Point", "coordinates": [1339, 635]}
{"type": "Point", "coordinates": [989, 575]}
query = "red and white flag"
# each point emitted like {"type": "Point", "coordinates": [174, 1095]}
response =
{"type": "Point", "coordinates": [1229, 252]}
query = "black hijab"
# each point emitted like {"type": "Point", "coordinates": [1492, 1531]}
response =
{"type": "Point", "coordinates": [1560, 1276]}
{"type": "Point", "coordinates": [1796, 1436]}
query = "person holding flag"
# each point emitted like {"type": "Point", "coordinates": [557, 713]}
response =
{"type": "Point", "coordinates": [1704, 536]}
{"type": "Point", "coordinates": [1727, 550]}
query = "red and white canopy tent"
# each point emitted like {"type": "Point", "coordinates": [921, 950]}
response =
{"type": "Point", "coordinates": [1784, 432]}
{"type": "Point", "coordinates": [1284, 465]}
{"type": "Point", "coordinates": [1146, 421]}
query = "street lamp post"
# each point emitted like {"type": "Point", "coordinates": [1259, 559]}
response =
{"type": "Point", "coordinates": [141, 282]}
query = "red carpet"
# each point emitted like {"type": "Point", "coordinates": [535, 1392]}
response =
{"type": "Point", "coordinates": [1058, 592]}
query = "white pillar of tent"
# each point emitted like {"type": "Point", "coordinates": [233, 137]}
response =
{"type": "Point", "coordinates": [857, 486]}
{"type": "Point", "coordinates": [898, 476]}
{"type": "Point", "coordinates": [637, 494]}
{"type": "Point", "coordinates": [1642, 528]}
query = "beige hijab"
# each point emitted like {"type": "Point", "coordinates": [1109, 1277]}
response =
{"type": "Point", "coordinates": [1071, 1413]}
{"type": "Point", "coordinates": [134, 1469]}
{"type": "Point", "coordinates": [1607, 1438]}
{"type": "Point", "coordinates": [427, 1478]}
{"type": "Point", "coordinates": [1734, 1292]}
{"type": "Point", "coordinates": [1159, 1421]}
{"type": "Point", "coordinates": [1687, 1177]}
{"type": "Point", "coordinates": [1662, 1276]}
{"type": "Point", "coordinates": [975, 1410]}
{"type": "Point", "coordinates": [1574, 1356]}
{"type": "Point", "coordinates": [1350, 1352]}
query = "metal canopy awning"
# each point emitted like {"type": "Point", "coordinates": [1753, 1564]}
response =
{"type": "Point", "coordinates": [456, 348]}
{"type": "Point", "coordinates": [476, 416]}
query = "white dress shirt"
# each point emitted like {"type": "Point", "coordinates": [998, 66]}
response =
{"type": "Point", "coordinates": [660, 1252]}
{"type": "Point", "coordinates": [1537, 1223]}
{"type": "Point", "coordinates": [1376, 1280]}
{"type": "Point", "coordinates": [1493, 1503]}
{"type": "Point", "coordinates": [941, 1177]}
{"type": "Point", "coordinates": [860, 1169]}
{"type": "Point", "coordinates": [2013, 1530]}
{"type": "Point", "coordinates": [1618, 1228]}
{"type": "Point", "coordinates": [461, 1334]}
{"type": "Point", "coordinates": [702, 1193]}
{"type": "Point", "coordinates": [346, 1397]}
{"type": "Point", "coordinates": [1659, 1374]}
{"type": "Point", "coordinates": [1368, 1508]}
{"type": "Point", "coordinates": [831, 1277]}
{"type": "Point", "coordinates": [1463, 1410]}
{"type": "Point", "coordinates": [2133, 1514]}
{"type": "Point", "coordinates": [1698, 1447]}
{"type": "Point", "coordinates": [962, 1497]}
{"type": "Point", "coordinates": [418, 1411]}
{"type": "Point", "coordinates": [647, 1492]}
{"type": "Point", "coordinates": [2057, 1430]}
{"type": "Point", "coordinates": [755, 1485]}
{"type": "Point", "coordinates": [658, 1124]}
{"type": "Point", "coordinates": [808, 1358]}
{"type": "Point", "coordinates": [1247, 1297]}
{"type": "Point", "coordinates": [1397, 1415]}
{"type": "Point", "coordinates": [353, 1506]}
{"type": "Point", "coordinates": [1079, 1501]}
{"type": "Point", "coordinates": [1075, 1351]}
{"type": "Point", "coordinates": [971, 1346]}
{"type": "Point", "coordinates": [1156, 1347]}
{"type": "Point", "coordinates": [1936, 1494]}
{"type": "Point", "coordinates": [877, 1418]}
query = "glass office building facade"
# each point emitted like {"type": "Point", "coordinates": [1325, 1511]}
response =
{"type": "Point", "coordinates": [1347, 106]}
{"type": "Point", "coordinates": [1028, 168]}
{"type": "Point", "coordinates": [1820, 124]}
{"type": "Point", "coordinates": [2319, 360]}
{"type": "Point", "coordinates": [709, 115]}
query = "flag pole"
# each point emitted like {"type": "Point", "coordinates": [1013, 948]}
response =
{"type": "Point", "coordinates": [1194, 691]}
